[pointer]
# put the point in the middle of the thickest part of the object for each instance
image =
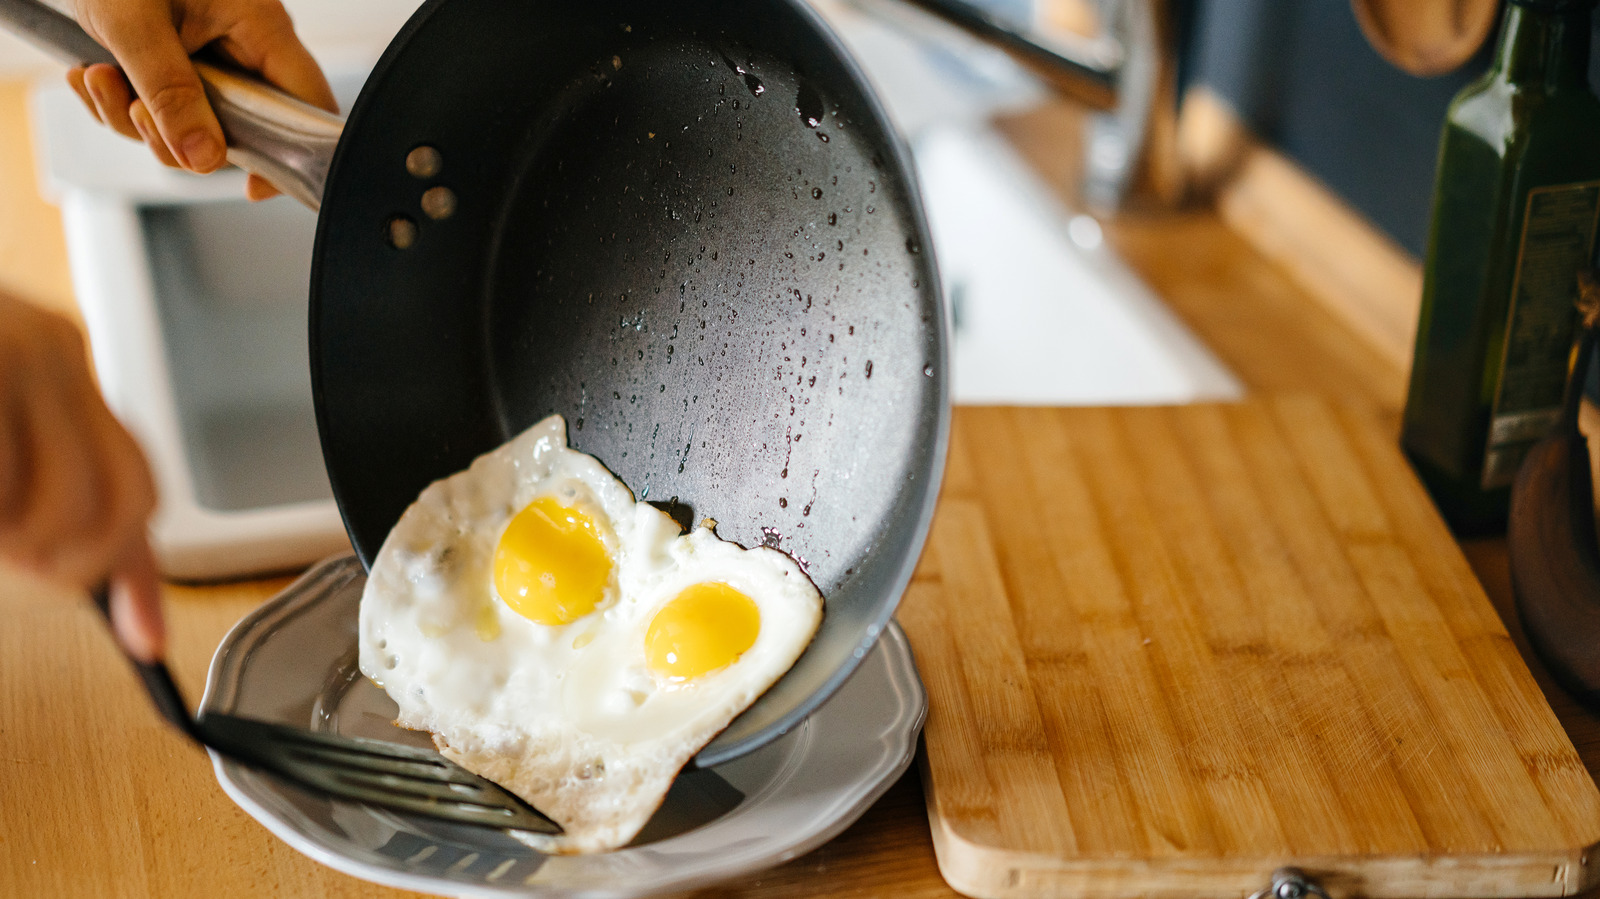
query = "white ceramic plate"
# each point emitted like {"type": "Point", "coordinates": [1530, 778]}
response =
{"type": "Point", "coordinates": [294, 661]}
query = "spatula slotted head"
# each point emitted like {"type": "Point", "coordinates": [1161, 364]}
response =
{"type": "Point", "coordinates": [374, 772]}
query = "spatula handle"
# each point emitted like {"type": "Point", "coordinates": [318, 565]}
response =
{"type": "Point", "coordinates": [155, 676]}
{"type": "Point", "coordinates": [269, 133]}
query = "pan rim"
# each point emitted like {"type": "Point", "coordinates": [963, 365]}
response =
{"type": "Point", "coordinates": [341, 152]}
{"type": "Point", "coordinates": [934, 418]}
{"type": "Point", "coordinates": [717, 751]}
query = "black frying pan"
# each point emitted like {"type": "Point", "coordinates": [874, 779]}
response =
{"type": "Point", "coordinates": [685, 226]}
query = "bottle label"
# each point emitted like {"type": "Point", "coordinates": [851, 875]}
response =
{"type": "Point", "coordinates": [1558, 231]}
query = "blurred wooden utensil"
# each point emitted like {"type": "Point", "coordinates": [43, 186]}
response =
{"type": "Point", "coordinates": [1426, 37]}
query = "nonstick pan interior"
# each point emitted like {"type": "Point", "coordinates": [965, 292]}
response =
{"type": "Point", "coordinates": [687, 228]}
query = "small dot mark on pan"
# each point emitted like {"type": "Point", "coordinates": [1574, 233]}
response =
{"type": "Point", "coordinates": [424, 162]}
{"type": "Point", "coordinates": [439, 203]}
{"type": "Point", "coordinates": [401, 232]}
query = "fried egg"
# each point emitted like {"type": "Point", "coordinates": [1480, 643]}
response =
{"type": "Point", "coordinates": [569, 643]}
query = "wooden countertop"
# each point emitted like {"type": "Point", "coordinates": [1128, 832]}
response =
{"type": "Point", "coordinates": [98, 798]}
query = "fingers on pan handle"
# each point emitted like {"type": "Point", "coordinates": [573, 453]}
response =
{"type": "Point", "coordinates": [155, 676]}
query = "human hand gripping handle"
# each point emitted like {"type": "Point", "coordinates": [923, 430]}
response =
{"type": "Point", "coordinates": [269, 133]}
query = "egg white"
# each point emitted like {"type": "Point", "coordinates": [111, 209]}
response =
{"type": "Point", "coordinates": [569, 717]}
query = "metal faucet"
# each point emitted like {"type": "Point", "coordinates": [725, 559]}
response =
{"type": "Point", "coordinates": [1127, 74]}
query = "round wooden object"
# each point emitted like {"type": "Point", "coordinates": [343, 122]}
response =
{"type": "Point", "coordinates": [1426, 37]}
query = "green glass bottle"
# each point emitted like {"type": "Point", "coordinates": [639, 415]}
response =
{"type": "Point", "coordinates": [1515, 209]}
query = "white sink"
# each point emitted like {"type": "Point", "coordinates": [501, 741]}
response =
{"type": "Point", "coordinates": [1042, 311]}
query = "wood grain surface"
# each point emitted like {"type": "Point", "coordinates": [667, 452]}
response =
{"type": "Point", "coordinates": [1171, 649]}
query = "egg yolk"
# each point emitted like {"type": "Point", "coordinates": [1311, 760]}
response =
{"type": "Point", "coordinates": [550, 565]}
{"type": "Point", "coordinates": [706, 627]}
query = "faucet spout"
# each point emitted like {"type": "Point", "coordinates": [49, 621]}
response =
{"type": "Point", "coordinates": [1127, 74]}
{"type": "Point", "coordinates": [1082, 68]}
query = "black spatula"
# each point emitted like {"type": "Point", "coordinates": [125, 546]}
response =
{"type": "Point", "coordinates": [370, 771]}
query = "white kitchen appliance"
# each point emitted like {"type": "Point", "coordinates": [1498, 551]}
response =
{"type": "Point", "coordinates": [195, 302]}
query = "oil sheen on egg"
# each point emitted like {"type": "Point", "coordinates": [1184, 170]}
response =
{"type": "Point", "coordinates": [569, 643]}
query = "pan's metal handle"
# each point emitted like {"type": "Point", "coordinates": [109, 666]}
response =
{"type": "Point", "coordinates": [269, 133]}
{"type": "Point", "coordinates": [52, 32]}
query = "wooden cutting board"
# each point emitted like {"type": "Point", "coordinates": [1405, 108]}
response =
{"type": "Point", "coordinates": [1169, 650]}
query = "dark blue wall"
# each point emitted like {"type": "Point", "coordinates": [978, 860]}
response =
{"type": "Point", "coordinates": [1303, 77]}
